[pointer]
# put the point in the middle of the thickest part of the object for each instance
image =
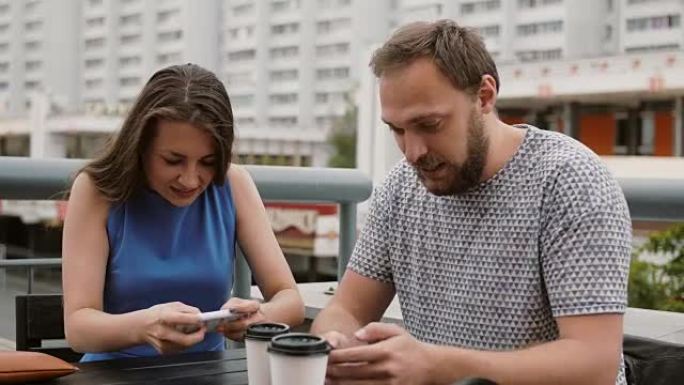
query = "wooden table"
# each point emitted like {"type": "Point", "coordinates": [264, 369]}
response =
{"type": "Point", "coordinates": [211, 368]}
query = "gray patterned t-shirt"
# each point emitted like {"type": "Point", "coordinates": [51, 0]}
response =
{"type": "Point", "coordinates": [547, 236]}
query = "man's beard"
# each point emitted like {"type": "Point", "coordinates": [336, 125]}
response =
{"type": "Point", "coordinates": [459, 177]}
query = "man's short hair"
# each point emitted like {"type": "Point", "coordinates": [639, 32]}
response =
{"type": "Point", "coordinates": [458, 52]}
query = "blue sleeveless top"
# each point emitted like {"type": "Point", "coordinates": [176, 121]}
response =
{"type": "Point", "coordinates": [161, 253]}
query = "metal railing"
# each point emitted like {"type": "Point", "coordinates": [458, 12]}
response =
{"type": "Point", "coordinates": [40, 179]}
{"type": "Point", "coordinates": [49, 179]}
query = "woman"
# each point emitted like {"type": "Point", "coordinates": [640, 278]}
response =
{"type": "Point", "coordinates": [150, 231]}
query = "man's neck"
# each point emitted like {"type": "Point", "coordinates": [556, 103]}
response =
{"type": "Point", "coordinates": [504, 142]}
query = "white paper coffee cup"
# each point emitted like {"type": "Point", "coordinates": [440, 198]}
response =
{"type": "Point", "coordinates": [298, 358]}
{"type": "Point", "coordinates": [257, 338]}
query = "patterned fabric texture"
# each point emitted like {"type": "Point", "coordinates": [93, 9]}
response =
{"type": "Point", "coordinates": [547, 236]}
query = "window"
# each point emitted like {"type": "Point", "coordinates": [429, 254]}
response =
{"type": "Point", "coordinates": [653, 23]}
{"type": "Point", "coordinates": [537, 55]}
{"type": "Point", "coordinates": [129, 39]}
{"type": "Point", "coordinates": [285, 29]}
{"type": "Point", "coordinates": [629, 131]}
{"type": "Point", "coordinates": [15, 145]}
{"type": "Point", "coordinates": [632, 2]}
{"type": "Point", "coordinates": [93, 43]}
{"type": "Point", "coordinates": [537, 3]}
{"type": "Point", "coordinates": [284, 5]}
{"type": "Point", "coordinates": [4, 47]}
{"type": "Point", "coordinates": [332, 25]}
{"type": "Point", "coordinates": [4, 8]}
{"type": "Point", "coordinates": [653, 48]}
{"type": "Point", "coordinates": [332, 73]}
{"type": "Point", "coordinates": [489, 30]}
{"type": "Point", "coordinates": [93, 83]}
{"type": "Point", "coordinates": [33, 65]}
{"type": "Point", "coordinates": [243, 100]}
{"type": "Point", "coordinates": [284, 52]}
{"type": "Point", "coordinates": [289, 98]}
{"type": "Point", "coordinates": [94, 63]}
{"type": "Point", "coordinates": [241, 32]}
{"type": "Point", "coordinates": [33, 26]}
{"type": "Point", "coordinates": [129, 81]}
{"type": "Point", "coordinates": [129, 61]}
{"type": "Point", "coordinates": [82, 146]}
{"type": "Point", "coordinates": [608, 32]}
{"type": "Point", "coordinates": [31, 6]}
{"type": "Point", "coordinates": [284, 75]}
{"type": "Point", "coordinates": [95, 3]}
{"type": "Point", "coordinates": [165, 37]}
{"type": "Point", "coordinates": [242, 55]}
{"type": "Point", "coordinates": [4, 28]}
{"type": "Point", "coordinates": [329, 97]}
{"type": "Point", "coordinates": [282, 121]}
{"type": "Point", "coordinates": [32, 45]}
{"type": "Point", "coordinates": [95, 22]}
{"type": "Point", "coordinates": [327, 4]}
{"type": "Point", "coordinates": [134, 19]}
{"type": "Point", "coordinates": [166, 16]}
{"type": "Point", "coordinates": [325, 121]}
{"type": "Point", "coordinates": [480, 6]}
{"type": "Point", "coordinates": [31, 85]}
{"type": "Point", "coordinates": [242, 122]}
{"type": "Point", "coordinates": [329, 50]}
{"type": "Point", "coordinates": [171, 57]}
{"type": "Point", "coordinates": [4, 66]}
{"type": "Point", "coordinates": [239, 78]}
{"type": "Point", "coordinates": [243, 9]}
{"type": "Point", "coordinates": [540, 28]}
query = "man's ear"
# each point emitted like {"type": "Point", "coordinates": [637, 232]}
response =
{"type": "Point", "coordinates": [487, 94]}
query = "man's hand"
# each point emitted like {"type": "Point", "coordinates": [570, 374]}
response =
{"type": "Point", "coordinates": [392, 356]}
{"type": "Point", "coordinates": [338, 340]}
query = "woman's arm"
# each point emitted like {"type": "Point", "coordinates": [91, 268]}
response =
{"type": "Point", "coordinates": [257, 241]}
{"type": "Point", "coordinates": [85, 250]}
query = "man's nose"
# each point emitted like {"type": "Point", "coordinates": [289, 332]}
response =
{"type": "Point", "coordinates": [414, 147]}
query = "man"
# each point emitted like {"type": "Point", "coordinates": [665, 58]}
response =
{"type": "Point", "coordinates": [507, 246]}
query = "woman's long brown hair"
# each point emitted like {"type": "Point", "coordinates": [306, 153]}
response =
{"type": "Point", "coordinates": [186, 93]}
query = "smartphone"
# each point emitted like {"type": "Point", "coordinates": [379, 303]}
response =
{"type": "Point", "coordinates": [212, 320]}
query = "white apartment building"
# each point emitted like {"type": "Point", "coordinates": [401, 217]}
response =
{"type": "Point", "coordinates": [85, 61]}
{"type": "Point", "coordinates": [70, 68]}
{"type": "Point", "coordinates": [292, 63]}
{"type": "Point", "coordinates": [651, 25]}
{"type": "Point", "coordinates": [606, 72]}
{"type": "Point", "coordinates": [38, 53]}
{"type": "Point", "coordinates": [524, 30]}
{"type": "Point", "coordinates": [124, 41]}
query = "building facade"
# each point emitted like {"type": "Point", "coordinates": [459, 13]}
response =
{"type": "Point", "coordinates": [603, 71]}
{"type": "Point", "coordinates": [70, 70]}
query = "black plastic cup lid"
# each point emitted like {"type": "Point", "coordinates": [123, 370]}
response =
{"type": "Point", "coordinates": [265, 331]}
{"type": "Point", "coordinates": [298, 344]}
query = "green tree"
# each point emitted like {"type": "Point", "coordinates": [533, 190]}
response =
{"type": "Point", "coordinates": [656, 286]}
{"type": "Point", "coordinates": [342, 137]}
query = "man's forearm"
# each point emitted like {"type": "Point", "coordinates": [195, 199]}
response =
{"type": "Point", "coordinates": [335, 318]}
{"type": "Point", "coordinates": [558, 362]}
